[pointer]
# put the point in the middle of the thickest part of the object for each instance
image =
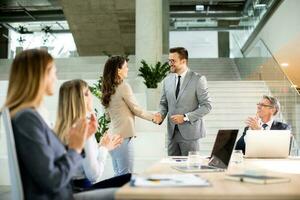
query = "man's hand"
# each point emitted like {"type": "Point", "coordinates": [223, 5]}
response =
{"type": "Point", "coordinates": [157, 119]}
{"type": "Point", "coordinates": [177, 119]}
{"type": "Point", "coordinates": [253, 123]}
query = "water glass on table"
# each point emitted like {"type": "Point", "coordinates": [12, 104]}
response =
{"type": "Point", "coordinates": [237, 156]}
{"type": "Point", "coordinates": [194, 159]}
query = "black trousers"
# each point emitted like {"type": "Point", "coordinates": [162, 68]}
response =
{"type": "Point", "coordinates": [117, 181]}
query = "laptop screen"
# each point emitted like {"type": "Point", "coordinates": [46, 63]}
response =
{"type": "Point", "coordinates": [223, 147]}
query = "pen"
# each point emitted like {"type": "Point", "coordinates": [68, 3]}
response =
{"type": "Point", "coordinates": [158, 179]}
{"type": "Point", "coordinates": [180, 160]}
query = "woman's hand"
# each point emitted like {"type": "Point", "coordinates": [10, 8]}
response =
{"type": "Point", "coordinates": [77, 135]}
{"type": "Point", "coordinates": [111, 142]}
{"type": "Point", "coordinates": [92, 124]}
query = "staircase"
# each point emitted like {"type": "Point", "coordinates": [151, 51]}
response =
{"type": "Point", "coordinates": [232, 103]}
{"type": "Point", "coordinates": [215, 69]}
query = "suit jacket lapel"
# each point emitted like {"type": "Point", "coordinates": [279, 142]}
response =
{"type": "Point", "coordinates": [186, 80]}
{"type": "Point", "coordinates": [274, 126]}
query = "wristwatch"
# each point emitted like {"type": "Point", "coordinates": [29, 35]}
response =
{"type": "Point", "coordinates": [185, 118]}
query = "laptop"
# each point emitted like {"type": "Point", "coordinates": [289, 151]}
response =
{"type": "Point", "coordinates": [220, 155]}
{"type": "Point", "coordinates": [267, 143]}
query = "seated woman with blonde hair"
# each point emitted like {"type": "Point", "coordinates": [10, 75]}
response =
{"type": "Point", "coordinates": [75, 102]}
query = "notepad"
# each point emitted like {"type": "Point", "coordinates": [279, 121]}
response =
{"type": "Point", "coordinates": [169, 180]}
{"type": "Point", "coordinates": [259, 179]}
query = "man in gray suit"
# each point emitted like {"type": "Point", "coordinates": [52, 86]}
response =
{"type": "Point", "coordinates": [185, 100]}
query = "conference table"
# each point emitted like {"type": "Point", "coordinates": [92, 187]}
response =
{"type": "Point", "coordinates": [220, 187]}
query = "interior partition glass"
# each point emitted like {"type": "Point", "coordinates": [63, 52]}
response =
{"type": "Point", "coordinates": [259, 64]}
{"type": "Point", "coordinates": [253, 13]}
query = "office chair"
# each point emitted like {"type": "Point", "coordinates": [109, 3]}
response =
{"type": "Point", "coordinates": [14, 171]}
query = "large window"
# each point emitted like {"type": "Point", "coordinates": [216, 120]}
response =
{"type": "Point", "coordinates": [53, 36]}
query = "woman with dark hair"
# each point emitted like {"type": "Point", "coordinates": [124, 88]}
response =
{"type": "Point", "coordinates": [121, 106]}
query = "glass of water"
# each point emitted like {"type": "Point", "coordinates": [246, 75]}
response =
{"type": "Point", "coordinates": [194, 159]}
{"type": "Point", "coordinates": [237, 156]}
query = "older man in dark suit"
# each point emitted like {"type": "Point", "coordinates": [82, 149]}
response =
{"type": "Point", "coordinates": [267, 108]}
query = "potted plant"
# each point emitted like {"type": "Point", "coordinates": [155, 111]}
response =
{"type": "Point", "coordinates": [152, 76]}
{"type": "Point", "coordinates": [103, 121]}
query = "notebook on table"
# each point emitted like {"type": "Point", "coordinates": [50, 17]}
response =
{"type": "Point", "coordinates": [258, 179]}
{"type": "Point", "coordinates": [220, 156]}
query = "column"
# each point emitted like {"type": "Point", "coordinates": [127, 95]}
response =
{"type": "Point", "coordinates": [148, 31]}
{"type": "Point", "coordinates": [165, 26]}
{"type": "Point", "coordinates": [4, 42]}
{"type": "Point", "coordinates": [223, 39]}
{"type": "Point", "coordinates": [148, 35]}
{"type": "Point", "coordinates": [223, 44]}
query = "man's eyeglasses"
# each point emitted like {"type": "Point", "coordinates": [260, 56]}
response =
{"type": "Point", "coordinates": [264, 105]}
{"type": "Point", "coordinates": [171, 61]}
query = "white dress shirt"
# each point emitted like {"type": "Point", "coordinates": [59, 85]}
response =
{"type": "Point", "coordinates": [181, 79]}
{"type": "Point", "coordinates": [94, 161]}
{"type": "Point", "coordinates": [269, 123]}
{"type": "Point", "coordinates": [181, 82]}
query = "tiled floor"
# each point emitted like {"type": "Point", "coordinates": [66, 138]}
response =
{"type": "Point", "coordinates": [5, 193]}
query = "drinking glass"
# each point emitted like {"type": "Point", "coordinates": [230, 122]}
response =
{"type": "Point", "coordinates": [194, 159]}
{"type": "Point", "coordinates": [237, 156]}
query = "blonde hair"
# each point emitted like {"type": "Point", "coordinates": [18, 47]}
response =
{"type": "Point", "coordinates": [26, 86]}
{"type": "Point", "coordinates": [71, 107]}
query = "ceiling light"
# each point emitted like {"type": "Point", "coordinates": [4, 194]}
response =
{"type": "Point", "coordinates": [284, 64]}
{"type": "Point", "coordinates": [260, 5]}
{"type": "Point", "coordinates": [199, 7]}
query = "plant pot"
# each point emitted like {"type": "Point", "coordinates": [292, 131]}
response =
{"type": "Point", "coordinates": [153, 98]}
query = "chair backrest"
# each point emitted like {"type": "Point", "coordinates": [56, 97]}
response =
{"type": "Point", "coordinates": [14, 171]}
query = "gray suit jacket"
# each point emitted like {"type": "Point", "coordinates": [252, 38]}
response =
{"type": "Point", "coordinates": [193, 100]}
{"type": "Point", "coordinates": [46, 167]}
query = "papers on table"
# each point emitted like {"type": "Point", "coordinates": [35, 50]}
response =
{"type": "Point", "coordinates": [169, 180]}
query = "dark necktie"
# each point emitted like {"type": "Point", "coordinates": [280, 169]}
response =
{"type": "Point", "coordinates": [178, 87]}
{"type": "Point", "coordinates": [264, 126]}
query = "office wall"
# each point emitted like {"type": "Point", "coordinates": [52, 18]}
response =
{"type": "Point", "coordinates": [200, 44]}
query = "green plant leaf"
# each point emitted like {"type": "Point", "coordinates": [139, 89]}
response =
{"type": "Point", "coordinates": [153, 74]}
{"type": "Point", "coordinates": [103, 122]}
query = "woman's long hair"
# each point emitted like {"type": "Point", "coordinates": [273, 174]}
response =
{"type": "Point", "coordinates": [26, 86]}
{"type": "Point", "coordinates": [71, 107]}
{"type": "Point", "coordinates": [110, 78]}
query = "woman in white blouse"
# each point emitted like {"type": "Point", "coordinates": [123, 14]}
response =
{"type": "Point", "coordinates": [75, 102]}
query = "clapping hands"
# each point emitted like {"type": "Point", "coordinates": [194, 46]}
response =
{"type": "Point", "coordinates": [77, 135]}
{"type": "Point", "coordinates": [253, 123]}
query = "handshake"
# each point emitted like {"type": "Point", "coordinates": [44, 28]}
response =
{"type": "Point", "coordinates": [157, 118]}
{"type": "Point", "coordinates": [176, 119]}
